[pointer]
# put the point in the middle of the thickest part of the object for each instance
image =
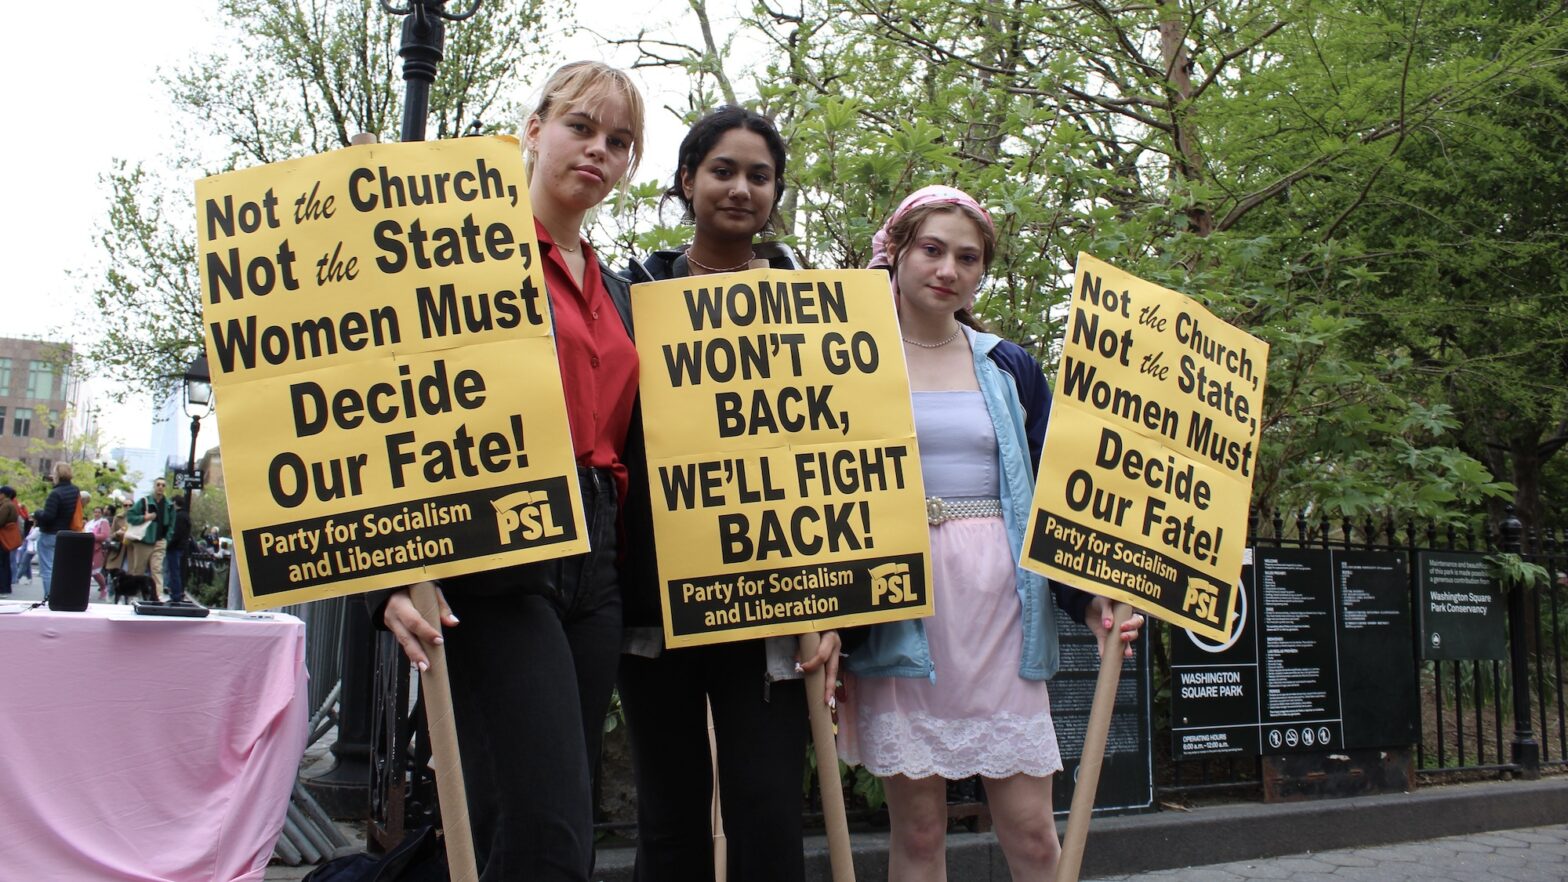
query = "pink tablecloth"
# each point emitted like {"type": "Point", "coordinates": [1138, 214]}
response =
{"type": "Point", "coordinates": [140, 748]}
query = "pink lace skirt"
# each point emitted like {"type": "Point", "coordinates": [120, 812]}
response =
{"type": "Point", "coordinates": [979, 717]}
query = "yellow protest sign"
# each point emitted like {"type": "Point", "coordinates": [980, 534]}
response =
{"type": "Point", "coordinates": [379, 338]}
{"type": "Point", "coordinates": [785, 481]}
{"type": "Point", "coordinates": [1147, 470]}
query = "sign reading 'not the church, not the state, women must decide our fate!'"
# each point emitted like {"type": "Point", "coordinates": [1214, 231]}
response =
{"type": "Point", "coordinates": [1147, 470]}
{"type": "Point", "coordinates": [380, 345]}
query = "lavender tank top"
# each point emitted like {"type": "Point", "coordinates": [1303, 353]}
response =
{"type": "Point", "coordinates": [957, 444]}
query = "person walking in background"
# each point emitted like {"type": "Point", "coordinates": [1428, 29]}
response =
{"type": "Point", "coordinates": [146, 554]}
{"type": "Point", "coordinates": [99, 527]}
{"type": "Point", "coordinates": [174, 558]}
{"type": "Point", "coordinates": [29, 550]}
{"type": "Point", "coordinates": [10, 536]}
{"type": "Point", "coordinates": [57, 513]}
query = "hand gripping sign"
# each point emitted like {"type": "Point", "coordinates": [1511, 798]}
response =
{"type": "Point", "coordinates": [1147, 470]}
{"type": "Point", "coordinates": [785, 482]}
{"type": "Point", "coordinates": [380, 343]}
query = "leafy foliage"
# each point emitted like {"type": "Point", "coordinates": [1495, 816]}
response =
{"type": "Point", "coordinates": [295, 78]}
{"type": "Point", "coordinates": [1373, 189]}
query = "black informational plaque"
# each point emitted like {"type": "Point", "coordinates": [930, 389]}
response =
{"type": "Point", "coordinates": [1377, 671]}
{"type": "Point", "coordinates": [1127, 774]}
{"type": "Point", "coordinates": [1460, 609]}
{"type": "Point", "coordinates": [1322, 659]}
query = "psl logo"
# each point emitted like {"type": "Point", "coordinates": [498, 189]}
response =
{"type": "Point", "coordinates": [890, 583]}
{"type": "Point", "coordinates": [1202, 600]}
{"type": "Point", "coordinates": [526, 515]}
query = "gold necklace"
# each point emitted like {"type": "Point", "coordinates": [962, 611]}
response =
{"type": "Point", "coordinates": [956, 331]}
{"type": "Point", "coordinates": [713, 269]}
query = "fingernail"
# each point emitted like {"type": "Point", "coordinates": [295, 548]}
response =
{"type": "Point", "coordinates": [438, 641]}
{"type": "Point", "coordinates": [452, 617]}
{"type": "Point", "coordinates": [833, 701]}
{"type": "Point", "coordinates": [423, 667]}
{"type": "Point", "coordinates": [799, 669]}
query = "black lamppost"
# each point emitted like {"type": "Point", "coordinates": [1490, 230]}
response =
{"type": "Point", "coordinates": [424, 37]}
{"type": "Point", "coordinates": [344, 789]}
{"type": "Point", "coordinates": [198, 403]}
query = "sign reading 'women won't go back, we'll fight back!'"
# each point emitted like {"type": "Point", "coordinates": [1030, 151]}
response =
{"type": "Point", "coordinates": [386, 380]}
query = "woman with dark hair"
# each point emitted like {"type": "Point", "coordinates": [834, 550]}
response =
{"type": "Point", "coordinates": [963, 693]}
{"type": "Point", "coordinates": [729, 179]}
{"type": "Point", "coordinates": [533, 663]}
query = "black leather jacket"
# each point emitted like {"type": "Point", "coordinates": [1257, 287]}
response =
{"type": "Point", "coordinates": [640, 607]}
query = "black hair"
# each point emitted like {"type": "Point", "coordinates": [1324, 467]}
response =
{"type": "Point", "coordinates": [705, 134]}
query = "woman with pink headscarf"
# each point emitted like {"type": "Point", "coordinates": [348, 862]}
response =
{"type": "Point", "coordinates": [963, 692]}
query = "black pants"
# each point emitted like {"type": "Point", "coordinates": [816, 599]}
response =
{"type": "Point", "coordinates": [761, 733]}
{"type": "Point", "coordinates": [532, 663]}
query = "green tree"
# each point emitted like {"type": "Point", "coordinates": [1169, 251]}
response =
{"type": "Point", "coordinates": [1240, 153]}
{"type": "Point", "coordinates": [31, 488]}
{"type": "Point", "coordinates": [210, 508]}
{"type": "Point", "coordinates": [291, 78]}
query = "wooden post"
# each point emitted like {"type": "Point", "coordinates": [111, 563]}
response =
{"type": "Point", "coordinates": [721, 851]}
{"type": "Point", "coordinates": [1093, 748]}
{"type": "Point", "coordinates": [461, 862]}
{"type": "Point", "coordinates": [832, 789]}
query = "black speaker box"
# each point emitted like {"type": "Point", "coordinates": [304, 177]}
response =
{"type": "Point", "coordinates": [73, 571]}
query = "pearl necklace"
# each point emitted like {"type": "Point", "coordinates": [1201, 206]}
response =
{"type": "Point", "coordinates": [954, 336]}
{"type": "Point", "coordinates": [713, 269]}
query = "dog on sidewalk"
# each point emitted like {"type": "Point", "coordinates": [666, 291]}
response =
{"type": "Point", "coordinates": [125, 588]}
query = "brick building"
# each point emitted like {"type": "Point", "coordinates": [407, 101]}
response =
{"type": "Point", "coordinates": [39, 401]}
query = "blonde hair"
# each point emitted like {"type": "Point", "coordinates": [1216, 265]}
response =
{"type": "Point", "coordinates": [62, 471]}
{"type": "Point", "coordinates": [586, 85]}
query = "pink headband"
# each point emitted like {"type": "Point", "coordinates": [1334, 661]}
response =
{"type": "Point", "coordinates": [932, 195]}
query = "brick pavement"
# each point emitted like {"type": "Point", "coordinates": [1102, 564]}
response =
{"type": "Point", "coordinates": [1536, 854]}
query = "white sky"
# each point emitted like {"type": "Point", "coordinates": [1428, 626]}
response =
{"type": "Point", "coordinates": [90, 93]}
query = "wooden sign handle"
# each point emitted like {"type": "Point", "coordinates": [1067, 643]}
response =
{"type": "Point", "coordinates": [1093, 747]}
{"type": "Point", "coordinates": [462, 865]}
{"type": "Point", "coordinates": [832, 788]}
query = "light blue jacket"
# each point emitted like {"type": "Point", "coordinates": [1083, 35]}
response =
{"type": "Point", "coordinates": [1018, 399]}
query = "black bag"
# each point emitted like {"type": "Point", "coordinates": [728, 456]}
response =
{"type": "Point", "coordinates": [420, 857]}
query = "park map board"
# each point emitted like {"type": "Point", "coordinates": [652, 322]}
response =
{"type": "Point", "coordinates": [1320, 659]}
{"type": "Point", "coordinates": [385, 375]}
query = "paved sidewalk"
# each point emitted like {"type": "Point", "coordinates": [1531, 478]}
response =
{"type": "Point", "coordinates": [1537, 854]}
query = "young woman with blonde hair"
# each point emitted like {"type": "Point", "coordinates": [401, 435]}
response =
{"type": "Point", "coordinates": [533, 662]}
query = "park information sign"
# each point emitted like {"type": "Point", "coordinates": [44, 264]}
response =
{"type": "Point", "coordinates": [1126, 782]}
{"type": "Point", "coordinates": [786, 486]}
{"type": "Point", "coordinates": [1461, 610]}
{"type": "Point", "coordinates": [1320, 659]}
{"type": "Point", "coordinates": [1147, 470]}
{"type": "Point", "coordinates": [380, 344]}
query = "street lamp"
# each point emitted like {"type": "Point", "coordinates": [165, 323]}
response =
{"type": "Point", "coordinates": [198, 403]}
{"type": "Point", "coordinates": [424, 39]}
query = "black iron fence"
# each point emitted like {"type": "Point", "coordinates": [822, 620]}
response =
{"type": "Point", "coordinates": [1477, 718]}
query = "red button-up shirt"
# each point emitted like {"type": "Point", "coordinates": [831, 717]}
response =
{"type": "Point", "coordinates": [598, 360]}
